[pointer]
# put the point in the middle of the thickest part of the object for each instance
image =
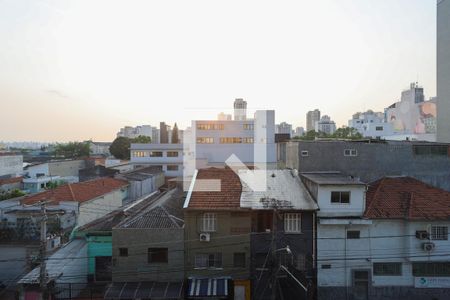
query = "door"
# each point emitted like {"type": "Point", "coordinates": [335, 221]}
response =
{"type": "Point", "coordinates": [360, 285]}
{"type": "Point", "coordinates": [103, 268]}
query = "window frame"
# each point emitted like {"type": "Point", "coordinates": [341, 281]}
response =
{"type": "Point", "coordinates": [439, 236]}
{"type": "Point", "coordinates": [304, 153]}
{"type": "Point", "coordinates": [171, 167]}
{"type": "Point", "coordinates": [151, 252]}
{"type": "Point", "coordinates": [123, 252]}
{"type": "Point", "coordinates": [352, 152]}
{"type": "Point", "coordinates": [340, 197]}
{"type": "Point", "coordinates": [356, 236]}
{"type": "Point", "coordinates": [209, 222]}
{"type": "Point", "coordinates": [381, 269]}
{"type": "Point", "coordinates": [205, 140]}
{"type": "Point", "coordinates": [172, 154]}
{"type": "Point", "coordinates": [212, 261]}
{"type": "Point", "coordinates": [292, 222]}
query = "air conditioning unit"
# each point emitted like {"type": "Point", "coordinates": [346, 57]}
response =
{"type": "Point", "coordinates": [205, 237]}
{"type": "Point", "coordinates": [422, 234]}
{"type": "Point", "coordinates": [428, 247]}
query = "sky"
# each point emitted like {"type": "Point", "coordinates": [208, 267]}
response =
{"type": "Point", "coordinates": [78, 70]}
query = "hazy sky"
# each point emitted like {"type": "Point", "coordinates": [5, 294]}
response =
{"type": "Point", "coordinates": [75, 70]}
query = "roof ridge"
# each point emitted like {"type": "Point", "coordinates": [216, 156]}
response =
{"type": "Point", "coordinates": [374, 195]}
{"type": "Point", "coordinates": [71, 191]}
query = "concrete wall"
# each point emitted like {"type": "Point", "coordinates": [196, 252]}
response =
{"type": "Point", "coordinates": [354, 208]}
{"type": "Point", "coordinates": [66, 167]}
{"type": "Point", "coordinates": [97, 246]}
{"type": "Point", "coordinates": [98, 207]}
{"type": "Point", "coordinates": [443, 71]}
{"type": "Point", "coordinates": [374, 160]}
{"type": "Point", "coordinates": [232, 236]}
{"type": "Point", "coordinates": [136, 267]}
{"type": "Point", "coordinates": [11, 165]}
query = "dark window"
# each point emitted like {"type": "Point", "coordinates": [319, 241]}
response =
{"type": "Point", "coordinates": [208, 260]}
{"type": "Point", "coordinates": [379, 128]}
{"type": "Point", "coordinates": [264, 222]}
{"type": "Point", "coordinates": [326, 266]}
{"type": "Point", "coordinates": [156, 154]}
{"type": "Point", "coordinates": [340, 197]}
{"type": "Point", "coordinates": [123, 251]}
{"type": "Point", "coordinates": [431, 269]}
{"type": "Point", "coordinates": [439, 232]}
{"type": "Point", "coordinates": [353, 234]}
{"type": "Point", "coordinates": [239, 260]}
{"type": "Point", "coordinates": [103, 268]}
{"type": "Point", "coordinates": [157, 255]}
{"type": "Point", "coordinates": [430, 150]}
{"type": "Point", "coordinates": [172, 153]}
{"type": "Point", "coordinates": [387, 269]}
{"type": "Point", "coordinates": [172, 167]}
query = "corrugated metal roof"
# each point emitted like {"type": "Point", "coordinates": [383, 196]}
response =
{"type": "Point", "coordinates": [57, 262]}
{"type": "Point", "coordinates": [284, 189]}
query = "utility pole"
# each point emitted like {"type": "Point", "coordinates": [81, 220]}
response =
{"type": "Point", "coordinates": [273, 250]}
{"type": "Point", "coordinates": [42, 250]}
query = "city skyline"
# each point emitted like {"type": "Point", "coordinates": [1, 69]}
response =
{"type": "Point", "coordinates": [69, 80]}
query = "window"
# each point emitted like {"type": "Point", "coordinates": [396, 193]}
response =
{"type": "Point", "coordinates": [430, 150]}
{"type": "Point", "coordinates": [387, 269]}
{"type": "Point", "coordinates": [353, 234]}
{"type": "Point", "coordinates": [139, 153]}
{"type": "Point", "coordinates": [157, 255]}
{"type": "Point", "coordinates": [208, 261]}
{"type": "Point", "coordinates": [123, 252]}
{"type": "Point", "coordinates": [172, 153]}
{"type": "Point", "coordinates": [340, 197]}
{"type": "Point", "coordinates": [239, 260]}
{"type": "Point", "coordinates": [439, 232]}
{"type": "Point", "coordinates": [210, 126]}
{"type": "Point", "coordinates": [172, 167]}
{"type": "Point", "coordinates": [326, 266]}
{"type": "Point", "coordinates": [292, 223]}
{"type": "Point", "coordinates": [209, 222]}
{"type": "Point", "coordinates": [431, 269]}
{"type": "Point", "coordinates": [305, 153]}
{"type": "Point", "coordinates": [249, 127]}
{"type": "Point", "coordinates": [205, 140]}
{"type": "Point", "coordinates": [247, 140]}
{"type": "Point", "coordinates": [350, 152]}
{"type": "Point", "coordinates": [379, 128]}
{"type": "Point", "coordinates": [156, 154]}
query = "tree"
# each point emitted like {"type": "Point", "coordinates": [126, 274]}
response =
{"type": "Point", "coordinates": [73, 149]}
{"type": "Point", "coordinates": [142, 139]}
{"type": "Point", "coordinates": [347, 133]}
{"type": "Point", "coordinates": [175, 139]}
{"type": "Point", "coordinates": [120, 148]}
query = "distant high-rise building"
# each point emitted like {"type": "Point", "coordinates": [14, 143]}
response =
{"type": "Point", "coordinates": [134, 132]}
{"type": "Point", "coordinates": [443, 71]}
{"type": "Point", "coordinates": [299, 131]}
{"type": "Point", "coordinates": [284, 127]}
{"type": "Point", "coordinates": [240, 109]}
{"type": "Point", "coordinates": [325, 125]}
{"type": "Point", "coordinates": [312, 117]}
{"type": "Point", "coordinates": [223, 117]}
{"type": "Point", "coordinates": [164, 133]}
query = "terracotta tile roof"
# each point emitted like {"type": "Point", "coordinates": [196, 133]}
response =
{"type": "Point", "coordinates": [10, 180]}
{"type": "Point", "coordinates": [79, 192]}
{"type": "Point", "coordinates": [406, 198]}
{"type": "Point", "coordinates": [229, 196]}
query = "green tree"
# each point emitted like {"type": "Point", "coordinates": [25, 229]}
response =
{"type": "Point", "coordinates": [175, 138]}
{"type": "Point", "coordinates": [142, 139]}
{"type": "Point", "coordinates": [347, 133]}
{"type": "Point", "coordinates": [73, 149]}
{"type": "Point", "coordinates": [12, 194]}
{"type": "Point", "coordinates": [120, 148]}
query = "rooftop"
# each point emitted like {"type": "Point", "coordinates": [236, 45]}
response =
{"type": "Point", "coordinates": [227, 197]}
{"type": "Point", "coordinates": [331, 178]}
{"type": "Point", "coordinates": [79, 192]}
{"type": "Point", "coordinates": [406, 198]}
{"type": "Point", "coordinates": [10, 180]}
{"type": "Point", "coordinates": [284, 189]}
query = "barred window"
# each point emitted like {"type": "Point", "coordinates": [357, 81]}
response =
{"type": "Point", "coordinates": [387, 269]}
{"type": "Point", "coordinates": [292, 222]}
{"type": "Point", "coordinates": [209, 222]}
{"type": "Point", "coordinates": [439, 232]}
{"type": "Point", "coordinates": [208, 261]}
{"type": "Point", "coordinates": [431, 269]}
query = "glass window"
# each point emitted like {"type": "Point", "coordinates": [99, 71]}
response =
{"type": "Point", "coordinates": [172, 153]}
{"type": "Point", "coordinates": [209, 223]}
{"type": "Point", "coordinates": [431, 269]}
{"type": "Point", "coordinates": [292, 222]}
{"type": "Point", "coordinates": [205, 140]}
{"type": "Point", "coordinates": [248, 126]}
{"type": "Point", "coordinates": [123, 251]}
{"type": "Point", "coordinates": [340, 197]}
{"type": "Point", "coordinates": [439, 232]}
{"type": "Point", "coordinates": [157, 255]}
{"type": "Point", "coordinates": [387, 269]}
{"type": "Point", "coordinates": [208, 260]}
{"type": "Point", "coordinates": [210, 126]}
{"type": "Point", "coordinates": [350, 152]}
{"type": "Point", "coordinates": [172, 167]}
{"type": "Point", "coordinates": [326, 266]}
{"type": "Point", "coordinates": [156, 154]}
{"type": "Point", "coordinates": [239, 260]}
{"type": "Point", "coordinates": [353, 234]}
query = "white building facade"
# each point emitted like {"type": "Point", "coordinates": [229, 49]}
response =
{"type": "Point", "coordinates": [371, 124]}
{"type": "Point", "coordinates": [167, 156]}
